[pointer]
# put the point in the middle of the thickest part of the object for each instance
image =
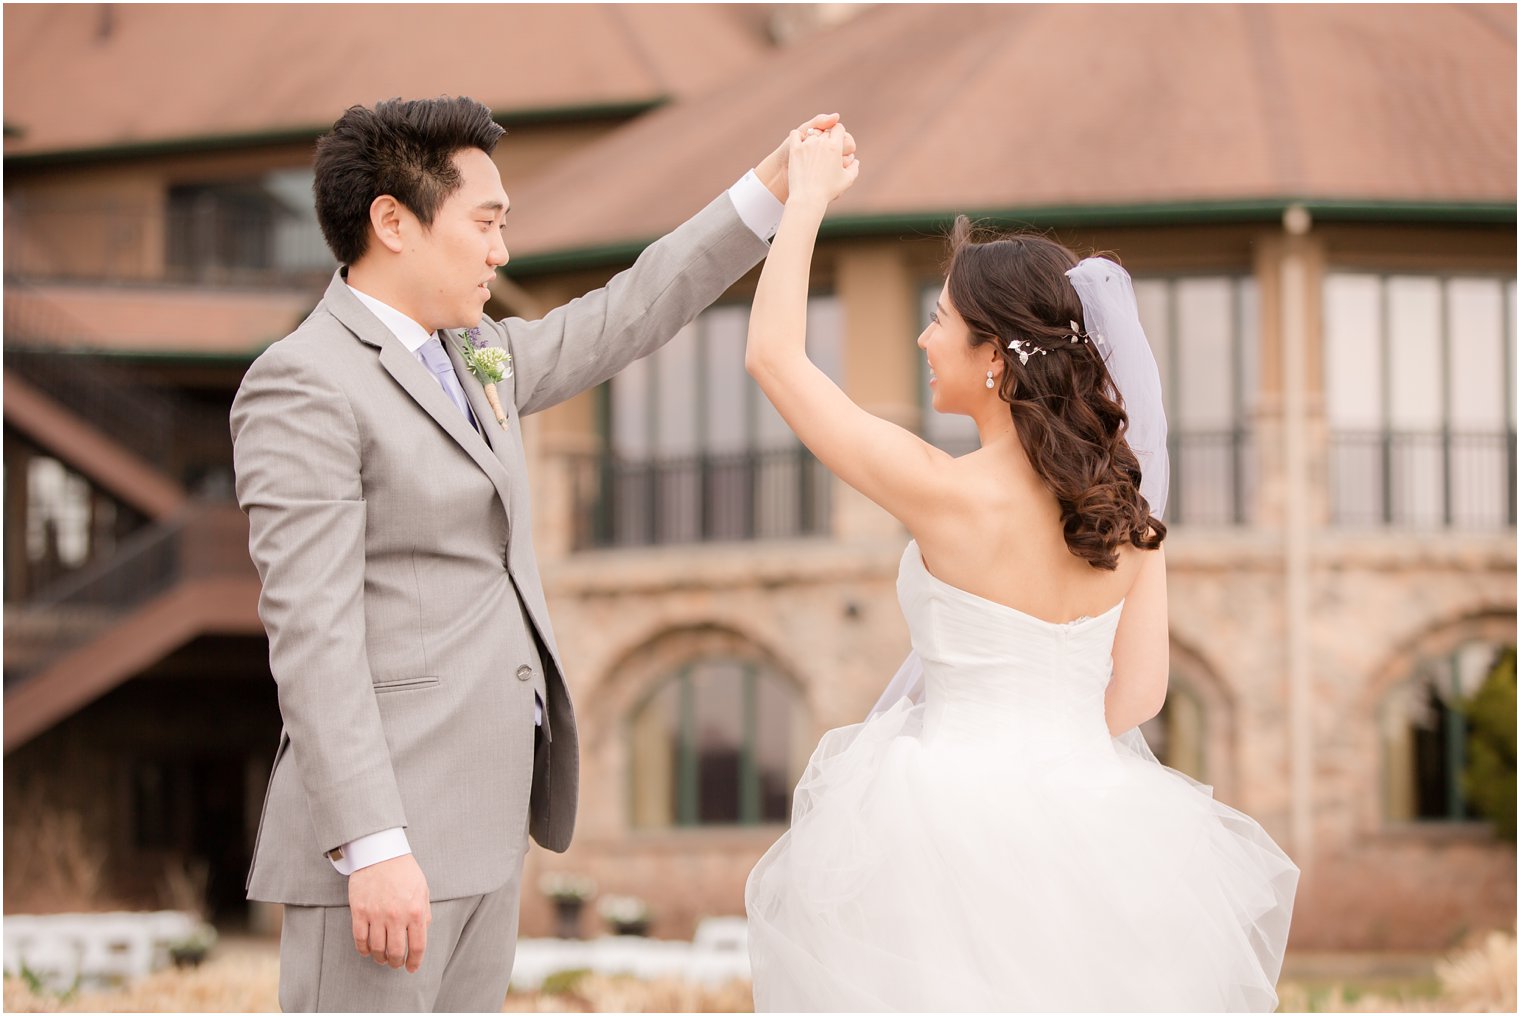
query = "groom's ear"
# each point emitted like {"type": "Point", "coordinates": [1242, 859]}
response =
{"type": "Point", "coordinates": [385, 218]}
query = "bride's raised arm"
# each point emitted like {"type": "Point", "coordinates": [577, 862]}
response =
{"type": "Point", "coordinates": [890, 465]}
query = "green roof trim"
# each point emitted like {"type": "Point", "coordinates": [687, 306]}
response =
{"type": "Point", "coordinates": [572, 113]}
{"type": "Point", "coordinates": [146, 354]}
{"type": "Point", "coordinates": [1479, 213]}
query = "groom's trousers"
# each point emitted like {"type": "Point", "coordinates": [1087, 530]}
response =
{"type": "Point", "coordinates": [470, 945]}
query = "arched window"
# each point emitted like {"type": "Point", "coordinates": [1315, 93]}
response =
{"type": "Point", "coordinates": [721, 741]}
{"type": "Point", "coordinates": [1178, 734]}
{"type": "Point", "coordinates": [1424, 731]}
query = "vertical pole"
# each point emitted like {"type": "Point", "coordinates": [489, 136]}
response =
{"type": "Point", "coordinates": [17, 560]}
{"type": "Point", "coordinates": [1385, 369]}
{"type": "Point", "coordinates": [1237, 409]}
{"type": "Point", "coordinates": [1297, 523]}
{"type": "Point", "coordinates": [1448, 472]}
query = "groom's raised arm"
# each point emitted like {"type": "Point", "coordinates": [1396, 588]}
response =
{"type": "Point", "coordinates": [591, 338]}
{"type": "Point", "coordinates": [296, 460]}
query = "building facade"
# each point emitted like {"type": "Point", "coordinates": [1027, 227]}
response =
{"type": "Point", "coordinates": [1335, 330]}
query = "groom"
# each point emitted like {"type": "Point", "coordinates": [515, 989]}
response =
{"type": "Point", "coordinates": [427, 727]}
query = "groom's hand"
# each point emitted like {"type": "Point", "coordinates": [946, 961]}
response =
{"type": "Point", "coordinates": [772, 169]}
{"type": "Point", "coordinates": [389, 904]}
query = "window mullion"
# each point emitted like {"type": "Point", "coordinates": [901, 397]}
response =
{"type": "Point", "coordinates": [749, 781]}
{"type": "Point", "coordinates": [1455, 738]}
{"type": "Point", "coordinates": [1175, 435]}
{"type": "Point", "coordinates": [1507, 381]}
{"type": "Point", "coordinates": [687, 779]}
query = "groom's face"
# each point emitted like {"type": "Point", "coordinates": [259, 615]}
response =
{"type": "Point", "coordinates": [453, 260]}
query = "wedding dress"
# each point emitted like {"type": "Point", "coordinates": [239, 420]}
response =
{"type": "Point", "coordinates": [994, 848]}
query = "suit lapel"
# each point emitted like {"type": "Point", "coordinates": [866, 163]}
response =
{"type": "Point", "coordinates": [424, 389]}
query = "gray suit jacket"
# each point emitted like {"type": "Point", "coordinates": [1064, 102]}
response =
{"type": "Point", "coordinates": [407, 626]}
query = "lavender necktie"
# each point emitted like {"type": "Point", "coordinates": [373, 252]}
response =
{"type": "Point", "coordinates": [436, 360]}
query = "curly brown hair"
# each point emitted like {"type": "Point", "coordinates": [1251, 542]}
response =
{"type": "Point", "coordinates": [1068, 413]}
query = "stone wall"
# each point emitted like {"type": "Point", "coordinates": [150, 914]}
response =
{"type": "Point", "coordinates": [825, 615]}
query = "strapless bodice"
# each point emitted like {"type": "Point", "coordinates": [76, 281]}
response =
{"type": "Point", "coordinates": [990, 669]}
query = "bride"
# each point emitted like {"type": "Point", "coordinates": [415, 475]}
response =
{"type": "Point", "coordinates": [1008, 842]}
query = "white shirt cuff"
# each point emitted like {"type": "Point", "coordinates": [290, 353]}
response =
{"type": "Point", "coordinates": [756, 205]}
{"type": "Point", "coordinates": [371, 849]}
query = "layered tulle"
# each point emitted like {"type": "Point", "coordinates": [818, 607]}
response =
{"type": "Point", "coordinates": [950, 856]}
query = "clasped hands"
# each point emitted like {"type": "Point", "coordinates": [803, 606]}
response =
{"type": "Point", "coordinates": [815, 164]}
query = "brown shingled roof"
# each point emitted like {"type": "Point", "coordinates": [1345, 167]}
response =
{"type": "Point", "coordinates": [196, 321]}
{"type": "Point", "coordinates": [109, 75]}
{"type": "Point", "coordinates": [1024, 107]}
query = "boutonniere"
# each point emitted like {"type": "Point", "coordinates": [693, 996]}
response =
{"type": "Point", "coordinates": [489, 364]}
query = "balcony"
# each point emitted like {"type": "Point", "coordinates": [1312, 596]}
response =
{"type": "Point", "coordinates": [752, 495]}
{"type": "Point", "coordinates": [1442, 479]}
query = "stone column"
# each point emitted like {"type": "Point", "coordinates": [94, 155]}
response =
{"type": "Point", "coordinates": [557, 444]}
{"type": "Point", "coordinates": [1298, 282]}
{"type": "Point", "coordinates": [876, 295]}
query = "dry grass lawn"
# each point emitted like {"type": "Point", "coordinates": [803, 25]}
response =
{"type": "Point", "coordinates": [1478, 978]}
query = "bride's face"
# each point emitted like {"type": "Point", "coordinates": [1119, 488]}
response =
{"type": "Point", "coordinates": [957, 370]}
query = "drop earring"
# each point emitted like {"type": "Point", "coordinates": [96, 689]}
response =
{"type": "Point", "coordinates": [990, 382]}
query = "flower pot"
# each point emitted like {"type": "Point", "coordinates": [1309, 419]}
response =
{"type": "Point", "coordinates": [630, 927]}
{"type": "Point", "coordinates": [567, 917]}
{"type": "Point", "coordinates": [187, 957]}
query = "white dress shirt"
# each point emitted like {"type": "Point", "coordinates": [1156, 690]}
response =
{"type": "Point", "coordinates": [761, 212]}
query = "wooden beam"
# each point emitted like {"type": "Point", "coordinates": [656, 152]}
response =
{"type": "Point", "coordinates": [90, 452]}
{"type": "Point", "coordinates": [189, 609]}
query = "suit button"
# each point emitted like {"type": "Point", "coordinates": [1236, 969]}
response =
{"type": "Point", "coordinates": [524, 672]}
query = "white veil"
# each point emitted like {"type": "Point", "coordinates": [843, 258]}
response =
{"type": "Point", "coordinates": [1112, 318]}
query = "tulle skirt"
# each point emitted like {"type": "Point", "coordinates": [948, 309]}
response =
{"type": "Point", "coordinates": [950, 875]}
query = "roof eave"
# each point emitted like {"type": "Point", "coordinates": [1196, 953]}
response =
{"type": "Point", "coordinates": [575, 113]}
{"type": "Point", "coordinates": [1483, 213]}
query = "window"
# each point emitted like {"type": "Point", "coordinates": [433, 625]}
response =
{"type": "Point", "coordinates": [1419, 400]}
{"type": "Point", "coordinates": [58, 515]}
{"type": "Point", "coordinates": [695, 452]}
{"type": "Point", "coordinates": [1423, 730]}
{"type": "Point", "coordinates": [230, 230]}
{"type": "Point", "coordinates": [1178, 734]}
{"type": "Point", "coordinates": [720, 742]}
{"type": "Point", "coordinates": [1203, 332]}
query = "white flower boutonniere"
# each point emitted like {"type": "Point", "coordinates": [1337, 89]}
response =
{"type": "Point", "coordinates": [489, 364]}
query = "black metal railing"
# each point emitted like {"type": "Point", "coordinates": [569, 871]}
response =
{"type": "Point", "coordinates": [1213, 477]}
{"type": "Point", "coordinates": [187, 441]}
{"type": "Point", "coordinates": [1442, 479]}
{"type": "Point", "coordinates": [753, 495]}
{"type": "Point", "coordinates": [144, 565]}
{"type": "Point", "coordinates": [69, 613]}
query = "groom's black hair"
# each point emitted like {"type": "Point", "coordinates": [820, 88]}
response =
{"type": "Point", "coordinates": [403, 148]}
